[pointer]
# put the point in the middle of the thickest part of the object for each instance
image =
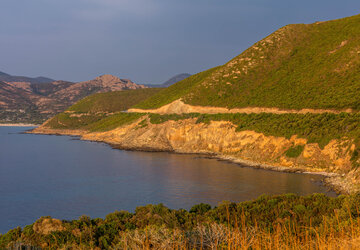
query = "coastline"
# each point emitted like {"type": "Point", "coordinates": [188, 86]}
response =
{"type": "Point", "coordinates": [334, 181]}
{"type": "Point", "coordinates": [18, 125]}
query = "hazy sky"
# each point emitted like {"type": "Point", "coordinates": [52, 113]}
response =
{"type": "Point", "coordinates": [147, 41]}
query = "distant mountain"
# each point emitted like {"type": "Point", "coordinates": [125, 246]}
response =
{"type": "Point", "coordinates": [33, 102]}
{"type": "Point", "coordinates": [50, 87]}
{"type": "Point", "coordinates": [170, 82]}
{"type": "Point", "coordinates": [104, 83]}
{"type": "Point", "coordinates": [12, 97]}
{"type": "Point", "coordinates": [2, 74]}
{"type": "Point", "coordinates": [10, 78]}
{"type": "Point", "coordinates": [175, 79]}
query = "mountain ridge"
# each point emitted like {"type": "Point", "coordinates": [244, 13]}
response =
{"type": "Point", "coordinates": [11, 78]}
{"type": "Point", "coordinates": [170, 81]}
{"type": "Point", "coordinates": [34, 102]}
{"type": "Point", "coordinates": [175, 79]}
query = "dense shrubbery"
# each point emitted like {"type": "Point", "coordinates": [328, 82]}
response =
{"type": "Point", "coordinates": [113, 121]}
{"type": "Point", "coordinates": [92, 122]}
{"type": "Point", "coordinates": [295, 151]}
{"type": "Point", "coordinates": [73, 121]}
{"type": "Point", "coordinates": [287, 220]}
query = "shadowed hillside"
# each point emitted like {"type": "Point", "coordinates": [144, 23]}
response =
{"type": "Point", "coordinates": [10, 78]}
{"type": "Point", "coordinates": [33, 101]}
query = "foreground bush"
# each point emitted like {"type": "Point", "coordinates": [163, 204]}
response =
{"type": "Point", "coordinates": [270, 222]}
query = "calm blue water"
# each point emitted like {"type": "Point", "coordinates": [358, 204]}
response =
{"type": "Point", "coordinates": [44, 175]}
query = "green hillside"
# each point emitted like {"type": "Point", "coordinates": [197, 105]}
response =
{"type": "Point", "coordinates": [175, 91]}
{"type": "Point", "coordinates": [298, 66]}
{"type": "Point", "coordinates": [102, 111]}
{"type": "Point", "coordinates": [112, 101]}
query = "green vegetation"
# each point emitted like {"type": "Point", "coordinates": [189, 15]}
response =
{"type": "Point", "coordinates": [92, 122]}
{"type": "Point", "coordinates": [111, 102]}
{"type": "Point", "coordinates": [102, 111]}
{"type": "Point", "coordinates": [142, 124]}
{"type": "Point", "coordinates": [113, 122]}
{"type": "Point", "coordinates": [269, 222]}
{"type": "Point", "coordinates": [73, 121]}
{"type": "Point", "coordinates": [298, 66]}
{"type": "Point", "coordinates": [294, 152]}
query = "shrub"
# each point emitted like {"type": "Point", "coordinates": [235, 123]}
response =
{"type": "Point", "coordinates": [295, 151]}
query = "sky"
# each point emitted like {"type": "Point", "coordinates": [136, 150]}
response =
{"type": "Point", "coordinates": [147, 41]}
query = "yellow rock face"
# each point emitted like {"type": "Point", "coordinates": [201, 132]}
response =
{"type": "Point", "coordinates": [220, 138]}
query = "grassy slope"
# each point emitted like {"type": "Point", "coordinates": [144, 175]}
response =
{"type": "Point", "coordinates": [175, 91]}
{"type": "Point", "coordinates": [101, 112]}
{"type": "Point", "coordinates": [298, 66]}
{"type": "Point", "coordinates": [112, 101]}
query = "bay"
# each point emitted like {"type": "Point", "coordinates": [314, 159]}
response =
{"type": "Point", "coordinates": [59, 176]}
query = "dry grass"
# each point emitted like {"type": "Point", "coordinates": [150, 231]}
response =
{"type": "Point", "coordinates": [331, 235]}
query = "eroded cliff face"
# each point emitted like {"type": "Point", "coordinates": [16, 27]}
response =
{"type": "Point", "coordinates": [220, 138]}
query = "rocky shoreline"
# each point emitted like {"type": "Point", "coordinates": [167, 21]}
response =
{"type": "Point", "coordinates": [339, 183]}
{"type": "Point", "coordinates": [18, 125]}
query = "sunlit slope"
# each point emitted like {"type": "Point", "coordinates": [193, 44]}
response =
{"type": "Point", "coordinates": [298, 66]}
{"type": "Point", "coordinates": [175, 91]}
{"type": "Point", "coordinates": [101, 111]}
{"type": "Point", "coordinates": [112, 101]}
